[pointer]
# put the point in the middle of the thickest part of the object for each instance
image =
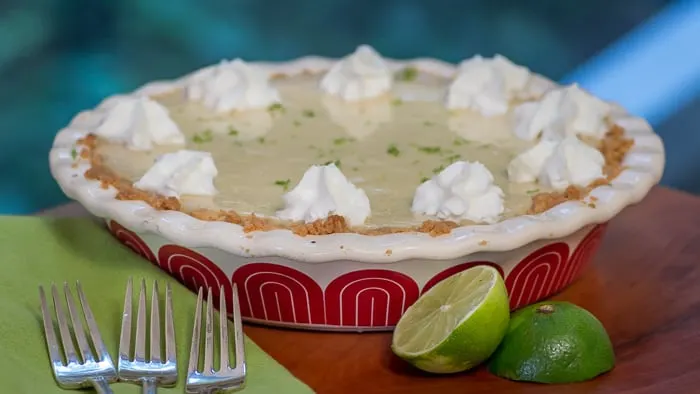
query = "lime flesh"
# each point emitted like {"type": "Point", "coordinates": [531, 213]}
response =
{"type": "Point", "coordinates": [553, 342]}
{"type": "Point", "coordinates": [457, 324]}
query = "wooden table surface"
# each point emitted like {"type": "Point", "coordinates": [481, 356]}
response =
{"type": "Point", "coordinates": [643, 285]}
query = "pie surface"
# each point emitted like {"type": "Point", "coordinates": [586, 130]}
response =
{"type": "Point", "coordinates": [387, 146]}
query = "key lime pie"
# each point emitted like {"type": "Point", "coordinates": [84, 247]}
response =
{"type": "Point", "coordinates": [365, 146]}
{"type": "Point", "coordinates": [333, 192]}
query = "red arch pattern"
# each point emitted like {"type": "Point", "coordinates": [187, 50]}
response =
{"type": "Point", "coordinates": [279, 293]}
{"type": "Point", "coordinates": [195, 271]}
{"type": "Point", "coordinates": [132, 241]}
{"type": "Point", "coordinates": [369, 298]}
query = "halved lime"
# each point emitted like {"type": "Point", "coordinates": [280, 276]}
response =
{"type": "Point", "coordinates": [553, 342]}
{"type": "Point", "coordinates": [457, 324]}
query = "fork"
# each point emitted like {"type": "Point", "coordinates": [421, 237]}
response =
{"type": "Point", "coordinates": [227, 377]}
{"type": "Point", "coordinates": [156, 371]}
{"type": "Point", "coordinates": [87, 368]}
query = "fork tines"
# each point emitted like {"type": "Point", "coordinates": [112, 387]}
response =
{"type": "Point", "coordinates": [91, 363]}
{"type": "Point", "coordinates": [229, 375]}
{"type": "Point", "coordinates": [156, 368]}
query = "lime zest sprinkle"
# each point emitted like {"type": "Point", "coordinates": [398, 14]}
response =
{"type": "Point", "coordinates": [342, 140]}
{"type": "Point", "coordinates": [203, 137]}
{"type": "Point", "coordinates": [276, 107]}
{"type": "Point", "coordinates": [284, 183]}
{"type": "Point", "coordinates": [393, 150]}
{"type": "Point", "coordinates": [308, 113]}
{"type": "Point", "coordinates": [409, 73]}
{"type": "Point", "coordinates": [336, 162]}
{"type": "Point", "coordinates": [438, 169]}
{"type": "Point", "coordinates": [429, 149]}
{"type": "Point", "coordinates": [232, 131]}
{"type": "Point", "coordinates": [453, 158]}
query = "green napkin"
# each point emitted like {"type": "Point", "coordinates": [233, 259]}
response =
{"type": "Point", "coordinates": [36, 251]}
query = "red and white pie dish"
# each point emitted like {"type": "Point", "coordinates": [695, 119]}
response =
{"type": "Point", "coordinates": [348, 282]}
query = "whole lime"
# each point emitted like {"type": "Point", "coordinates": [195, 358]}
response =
{"type": "Point", "coordinates": [553, 342]}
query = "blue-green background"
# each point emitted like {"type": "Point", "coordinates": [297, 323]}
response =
{"type": "Point", "coordinates": [60, 56]}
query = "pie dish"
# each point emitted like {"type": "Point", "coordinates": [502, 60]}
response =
{"type": "Point", "coordinates": [333, 192]}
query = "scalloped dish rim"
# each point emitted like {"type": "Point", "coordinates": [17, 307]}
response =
{"type": "Point", "coordinates": [644, 165]}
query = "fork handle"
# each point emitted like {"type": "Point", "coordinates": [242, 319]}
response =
{"type": "Point", "coordinates": [149, 386]}
{"type": "Point", "coordinates": [101, 386]}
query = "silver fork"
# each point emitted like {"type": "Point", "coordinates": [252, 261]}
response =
{"type": "Point", "coordinates": [227, 377]}
{"type": "Point", "coordinates": [156, 371]}
{"type": "Point", "coordinates": [92, 366]}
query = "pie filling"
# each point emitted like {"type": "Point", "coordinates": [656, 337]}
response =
{"type": "Point", "coordinates": [386, 145]}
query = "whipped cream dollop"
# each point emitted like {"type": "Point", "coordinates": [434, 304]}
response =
{"type": "Point", "coordinates": [558, 164]}
{"type": "Point", "coordinates": [487, 85]}
{"type": "Point", "coordinates": [185, 172]}
{"type": "Point", "coordinates": [358, 76]}
{"type": "Point", "coordinates": [324, 191]}
{"type": "Point", "coordinates": [527, 166]}
{"type": "Point", "coordinates": [462, 191]}
{"type": "Point", "coordinates": [232, 85]}
{"type": "Point", "coordinates": [572, 163]}
{"type": "Point", "coordinates": [139, 123]}
{"type": "Point", "coordinates": [564, 111]}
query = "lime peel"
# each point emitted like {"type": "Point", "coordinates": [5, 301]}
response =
{"type": "Point", "coordinates": [553, 342]}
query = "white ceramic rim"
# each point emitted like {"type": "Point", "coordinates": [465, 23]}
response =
{"type": "Point", "coordinates": [644, 167]}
